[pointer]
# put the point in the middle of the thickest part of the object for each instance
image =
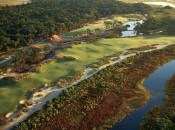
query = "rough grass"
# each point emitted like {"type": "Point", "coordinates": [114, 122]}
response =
{"type": "Point", "coordinates": [11, 93]}
{"type": "Point", "coordinates": [132, 1]}
{"type": "Point", "coordinates": [12, 2]}
{"type": "Point", "coordinates": [140, 98]}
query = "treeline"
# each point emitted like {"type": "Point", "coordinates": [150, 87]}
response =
{"type": "Point", "coordinates": [155, 24]}
{"type": "Point", "coordinates": [21, 25]}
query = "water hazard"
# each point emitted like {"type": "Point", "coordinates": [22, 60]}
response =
{"type": "Point", "coordinates": [131, 28]}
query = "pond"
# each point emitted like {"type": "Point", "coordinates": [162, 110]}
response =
{"type": "Point", "coordinates": [130, 29]}
{"type": "Point", "coordinates": [156, 82]}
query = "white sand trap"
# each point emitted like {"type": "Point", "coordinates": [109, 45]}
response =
{"type": "Point", "coordinates": [160, 3]}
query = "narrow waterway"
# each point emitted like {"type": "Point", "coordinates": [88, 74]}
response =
{"type": "Point", "coordinates": [130, 32]}
{"type": "Point", "coordinates": [156, 82]}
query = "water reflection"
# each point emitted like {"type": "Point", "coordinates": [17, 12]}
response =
{"type": "Point", "coordinates": [130, 28]}
{"type": "Point", "coordinates": [156, 82]}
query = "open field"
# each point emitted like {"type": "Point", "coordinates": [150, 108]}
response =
{"type": "Point", "coordinates": [86, 54]}
{"type": "Point", "coordinates": [132, 1]}
{"type": "Point", "coordinates": [97, 25]}
{"type": "Point", "coordinates": [13, 2]}
{"type": "Point", "coordinates": [153, 2]}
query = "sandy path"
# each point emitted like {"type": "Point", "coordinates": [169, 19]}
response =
{"type": "Point", "coordinates": [52, 92]}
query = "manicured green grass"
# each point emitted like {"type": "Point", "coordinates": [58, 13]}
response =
{"type": "Point", "coordinates": [11, 93]}
{"type": "Point", "coordinates": [100, 25]}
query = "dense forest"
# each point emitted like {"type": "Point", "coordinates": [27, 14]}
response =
{"type": "Point", "coordinates": [159, 20]}
{"type": "Point", "coordinates": [23, 24]}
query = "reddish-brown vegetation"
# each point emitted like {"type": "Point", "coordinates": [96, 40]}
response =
{"type": "Point", "coordinates": [162, 117]}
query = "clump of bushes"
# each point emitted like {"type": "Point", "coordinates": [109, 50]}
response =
{"type": "Point", "coordinates": [17, 77]}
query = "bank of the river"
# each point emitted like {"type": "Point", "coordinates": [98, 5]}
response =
{"type": "Point", "coordinates": [156, 83]}
{"type": "Point", "coordinates": [163, 116]}
{"type": "Point", "coordinates": [132, 65]}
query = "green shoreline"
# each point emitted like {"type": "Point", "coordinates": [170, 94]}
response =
{"type": "Point", "coordinates": [127, 107]}
{"type": "Point", "coordinates": [162, 117]}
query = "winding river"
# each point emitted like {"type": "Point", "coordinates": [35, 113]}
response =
{"type": "Point", "coordinates": [156, 82]}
